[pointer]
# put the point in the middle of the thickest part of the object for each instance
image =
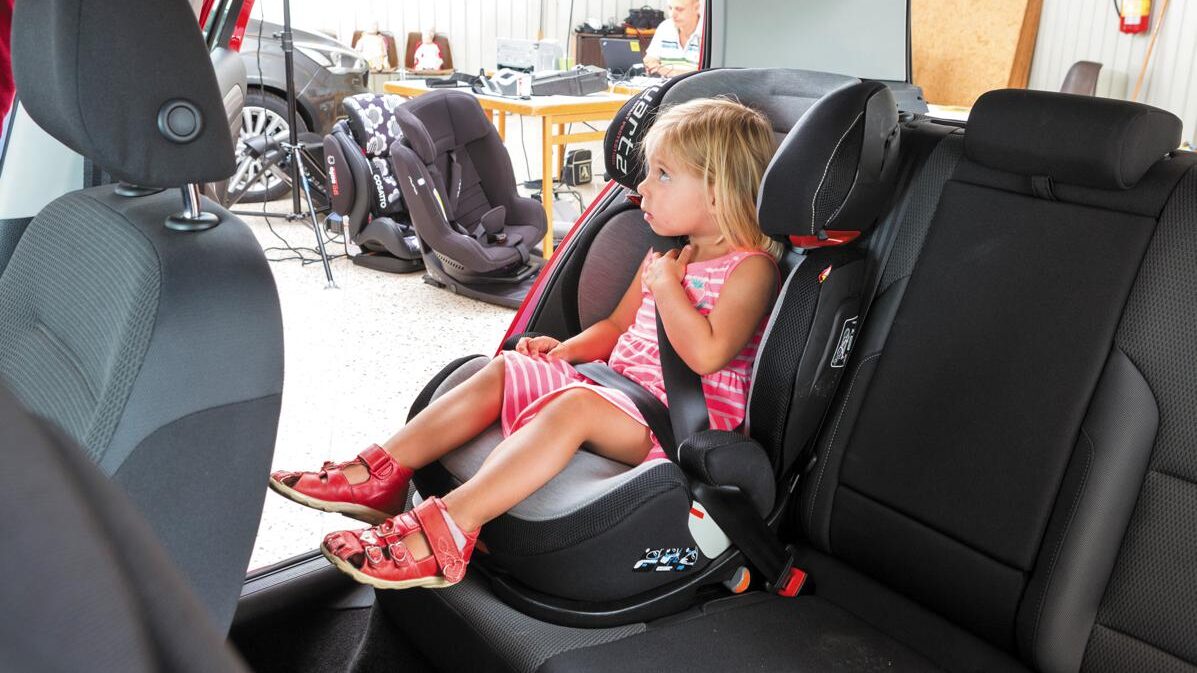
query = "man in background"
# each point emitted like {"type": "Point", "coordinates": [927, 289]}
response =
{"type": "Point", "coordinates": [676, 44]}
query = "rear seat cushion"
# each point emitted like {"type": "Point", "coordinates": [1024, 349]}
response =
{"type": "Point", "coordinates": [752, 633]}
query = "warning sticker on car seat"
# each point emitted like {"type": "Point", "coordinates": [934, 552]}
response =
{"type": "Point", "coordinates": [671, 559]}
{"type": "Point", "coordinates": [844, 347]}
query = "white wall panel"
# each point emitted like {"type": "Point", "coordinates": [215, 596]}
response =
{"type": "Point", "coordinates": [1087, 30]}
{"type": "Point", "coordinates": [472, 25]}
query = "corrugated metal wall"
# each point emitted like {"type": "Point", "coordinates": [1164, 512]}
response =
{"type": "Point", "coordinates": [1087, 30]}
{"type": "Point", "coordinates": [472, 25]}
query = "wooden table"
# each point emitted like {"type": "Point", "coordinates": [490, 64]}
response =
{"type": "Point", "coordinates": [554, 111]}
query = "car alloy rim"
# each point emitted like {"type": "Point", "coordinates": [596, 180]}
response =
{"type": "Point", "coordinates": [257, 121]}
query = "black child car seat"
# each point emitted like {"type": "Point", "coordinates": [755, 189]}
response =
{"type": "Point", "coordinates": [478, 233]}
{"type": "Point", "coordinates": [604, 543]}
{"type": "Point", "coordinates": [367, 205]}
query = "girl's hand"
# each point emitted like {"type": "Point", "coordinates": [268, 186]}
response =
{"type": "Point", "coordinates": [538, 346]}
{"type": "Point", "coordinates": [669, 267]}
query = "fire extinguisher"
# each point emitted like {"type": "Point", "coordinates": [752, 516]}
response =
{"type": "Point", "coordinates": [1134, 16]}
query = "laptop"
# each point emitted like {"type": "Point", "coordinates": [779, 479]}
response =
{"type": "Point", "coordinates": [621, 55]}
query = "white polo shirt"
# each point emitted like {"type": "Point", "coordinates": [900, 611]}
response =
{"type": "Point", "coordinates": [666, 45]}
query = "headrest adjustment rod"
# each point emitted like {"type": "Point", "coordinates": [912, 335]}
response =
{"type": "Point", "coordinates": [192, 218]}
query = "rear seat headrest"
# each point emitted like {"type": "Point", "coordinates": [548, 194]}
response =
{"type": "Point", "coordinates": [1076, 140]}
{"type": "Point", "coordinates": [834, 172]}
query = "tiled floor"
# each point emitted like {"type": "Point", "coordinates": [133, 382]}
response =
{"type": "Point", "coordinates": [356, 357]}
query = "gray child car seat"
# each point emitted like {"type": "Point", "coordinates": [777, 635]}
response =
{"type": "Point", "coordinates": [478, 233]}
{"type": "Point", "coordinates": [604, 543]}
{"type": "Point", "coordinates": [367, 205]}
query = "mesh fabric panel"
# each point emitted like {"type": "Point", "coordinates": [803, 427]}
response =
{"type": "Point", "coordinates": [780, 354]}
{"type": "Point", "coordinates": [841, 173]}
{"type": "Point", "coordinates": [77, 307]}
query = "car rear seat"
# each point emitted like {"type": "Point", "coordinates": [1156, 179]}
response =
{"type": "Point", "coordinates": [1007, 480]}
{"type": "Point", "coordinates": [1015, 392]}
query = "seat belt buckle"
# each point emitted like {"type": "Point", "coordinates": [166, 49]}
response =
{"type": "Point", "coordinates": [790, 581]}
{"type": "Point", "coordinates": [793, 582]}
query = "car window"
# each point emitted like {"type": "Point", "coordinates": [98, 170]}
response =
{"type": "Point", "coordinates": [812, 35]}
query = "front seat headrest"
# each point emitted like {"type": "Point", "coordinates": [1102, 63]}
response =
{"type": "Point", "coordinates": [1076, 140]}
{"type": "Point", "coordinates": [128, 84]}
{"type": "Point", "coordinates": [834, 173]}
{"type": "Point", "coordinates": [782, 95]}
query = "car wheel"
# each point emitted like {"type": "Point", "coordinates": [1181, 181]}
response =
{"type": "Point", "coordinates": [264, 114]}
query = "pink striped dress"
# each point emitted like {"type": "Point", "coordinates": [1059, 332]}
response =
{"type": "Point", "coordinates": [531, 382]}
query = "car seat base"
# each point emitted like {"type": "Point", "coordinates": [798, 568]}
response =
{"type": "Point", "coordinates": [386, 263]}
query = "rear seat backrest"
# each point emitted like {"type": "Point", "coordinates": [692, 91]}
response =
{"type": "Point", "coordinates": [1148, 617]}
{"type": "Point", "coordinates": [948, 471]}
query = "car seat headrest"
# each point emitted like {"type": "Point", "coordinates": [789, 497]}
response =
{"type": "Point", "coordinates": [1076, 140]}
{"type": "Point", "coordinates": [455, 120]}
{"type": "Point", "coordinates": [128, 84]}
{"type": "Point", "coordinates": [415, 135]}
{"type": "Point", "coordinates": [372, 121]}
{"type": "Point", "coordinates": [782, 95]}
{"type": "Point", "coordinates": [834, 173]}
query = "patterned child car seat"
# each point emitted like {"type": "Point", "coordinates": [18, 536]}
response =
{"type": "Point", "coordinates": [367, 204]}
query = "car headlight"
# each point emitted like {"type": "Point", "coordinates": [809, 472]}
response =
{"type": "Point", "coordinates": [338, 60]}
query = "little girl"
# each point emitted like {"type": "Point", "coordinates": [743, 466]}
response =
{"type": "Point", "coordinates": [705, 159]}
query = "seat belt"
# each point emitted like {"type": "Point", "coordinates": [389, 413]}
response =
{"type": "Point", "coordinates": [453, 186]}
{"type": "Point", "coordinates": [686, 416]}
{"type": "Point", "coordinates": [736, 517]}
{"type": "Point", "coordinates": [655, 413]}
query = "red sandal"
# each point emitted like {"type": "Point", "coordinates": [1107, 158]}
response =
{"type": "Point", "coordinates": [377, 556]}
{"type": "Point", "coordinates": [382, 495]}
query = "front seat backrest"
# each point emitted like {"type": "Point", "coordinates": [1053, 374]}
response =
{"type": "Point", "coordinates": [158, 350]}
{"type": "Point", "coordinates": [107, 582]}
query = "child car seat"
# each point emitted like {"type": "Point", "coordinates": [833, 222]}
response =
{"type": "Point", "coordinates": [477, 233]}
{"type": "Point", "coordinates": [604, 543]}
{"type": "Point", "coordinates": [367, 205]}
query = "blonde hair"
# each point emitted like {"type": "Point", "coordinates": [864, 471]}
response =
{"type": "Point", "coordinates": [728, 145]}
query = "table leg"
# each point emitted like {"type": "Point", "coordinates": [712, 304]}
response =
{"type": "Point", "coordinates": [502, 125]}
{"type": "Point", "coordinates": [546, 181]}
{"type": "Point", "coordinates": [560, 150]}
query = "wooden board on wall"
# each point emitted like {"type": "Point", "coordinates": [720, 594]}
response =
{"type": "Point", "coordinates": [962, 48]}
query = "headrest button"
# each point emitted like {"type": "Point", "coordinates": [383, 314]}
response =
{"type": "Point", "coordinates": [180, 121]}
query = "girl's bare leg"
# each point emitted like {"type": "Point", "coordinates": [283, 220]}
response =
{"type": "Point", "coordinates": [537, 452]}
{"type": "Point", "coordinates": [448, 422]}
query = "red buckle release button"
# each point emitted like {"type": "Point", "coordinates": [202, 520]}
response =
{"type": "Point", "coordinates": [793, 583]}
